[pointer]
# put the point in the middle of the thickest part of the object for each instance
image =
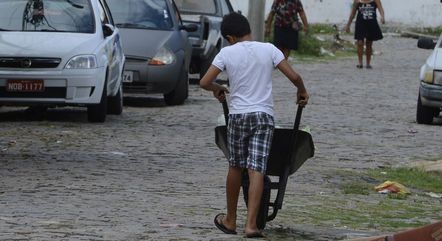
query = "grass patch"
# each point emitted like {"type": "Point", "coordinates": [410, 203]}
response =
{"type": "Point", "coordinates": [362, 208]}
{"type": "Point", "coordinates": [430, 31]}
{"type": "Point", "coordinates": [360, 212]}
{"type": "Point", "coordinates": [411, 177]}
{"type": "Point", "coordinates": [356, 188]}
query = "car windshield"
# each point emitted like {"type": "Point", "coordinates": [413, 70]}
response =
{"type": "Point", "coordinates": [144, 14]}
{"type": "Point", "coordinates": [47, 15]}
{"type": "Point", "coordinates": [196, 6]}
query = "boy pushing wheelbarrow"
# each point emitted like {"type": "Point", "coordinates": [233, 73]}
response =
{"type": "Point", "coordinates": [249, 67]}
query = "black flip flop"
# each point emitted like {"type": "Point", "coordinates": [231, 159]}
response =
{"type": "Point", "coordinates": [255, 235]}
{"type": "Point", "coordinates": [219, 224]}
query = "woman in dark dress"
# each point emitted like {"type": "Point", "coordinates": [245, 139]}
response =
{"type": "Point", "coordinates": [287, 24]}
{"type": "Point", "coordinates": [367, 28]}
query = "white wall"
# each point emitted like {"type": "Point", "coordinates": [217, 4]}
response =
{"type": "Point", "coordinates": [414, 13]}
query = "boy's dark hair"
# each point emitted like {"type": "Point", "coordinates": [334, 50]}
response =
{"type": "Point", "coordinates": [235, 24]}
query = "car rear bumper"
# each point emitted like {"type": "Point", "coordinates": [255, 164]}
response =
{"type": "Point", "coordinates": [431, 95]}
{"type": "Point", "coordinates": [61, 87]}
{"type": "Point", "coordinates": [149, 79]}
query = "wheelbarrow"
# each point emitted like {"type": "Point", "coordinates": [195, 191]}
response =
{"type": "Point", "coordinates": [289, 150]}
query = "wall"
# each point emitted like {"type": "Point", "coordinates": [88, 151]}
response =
{"type": "Point", "coordinates": [414, 13]}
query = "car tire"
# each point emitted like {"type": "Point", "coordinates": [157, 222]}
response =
{"type": "Point", "coordinates": [115, 103]}
{"type": "Point", "coordinates": [424, 114]}
{"type": "Point", "coordinates": [181, 91]}
{"type": "Point", "coordinates": [205, 63]}
{"type": "Point", "coordinates": [97, 112]}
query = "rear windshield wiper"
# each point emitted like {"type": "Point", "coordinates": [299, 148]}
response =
{"type": "Point", "coordinates": [2, 29]}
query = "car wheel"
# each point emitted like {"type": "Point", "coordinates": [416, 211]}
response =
{"type": "Point", "coordinates": [115, 103]}
{"type": "Point", "coordinates": [97, 112]}
{"type": "Point", "coordinates": [424, 114]}
{"type": "Point", "coordinates": [181, 91]}
{"type": "Point", "coordinates": [205, 64]}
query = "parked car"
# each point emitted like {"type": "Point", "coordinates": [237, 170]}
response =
{"type": "Point", "coordinates": [60, 53]}
{"type": "Point", "coordinates": [207, 40]}
{"type": "Point", "coordinates": [429, 101]}
{"type": "Point", "coordinates": [157, 48]}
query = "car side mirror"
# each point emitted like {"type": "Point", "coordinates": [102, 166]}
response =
{"type": "Point", "coordinates": [426, 43]}
{"type": "Point", "coordinates": [189, 27]}
{"type": "Point", "coordinates": [108, 30]}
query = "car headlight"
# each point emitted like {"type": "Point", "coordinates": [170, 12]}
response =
{"type": "Point", "coordinates": [82, 62]}
{"type": "Point", "coordinates": [428, 76]}
{"type": "Point", "coordinates": [437, 78]}
{"type": "Point", "coordinates": [163, 57]}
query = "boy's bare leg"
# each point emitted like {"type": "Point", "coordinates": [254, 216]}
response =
{"type": "Point", "coordinates": [256, 185]}
{"type": "Point", "coordinates": [233, 185]}
{"type": "Point", "coordinates": [360, 44]}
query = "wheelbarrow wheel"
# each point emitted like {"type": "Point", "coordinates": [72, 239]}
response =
{"type": "Point", "coordinates": [261, 220]}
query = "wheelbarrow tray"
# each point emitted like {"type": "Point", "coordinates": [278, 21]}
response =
{"type": "Point", "coordinates": [289, 150]}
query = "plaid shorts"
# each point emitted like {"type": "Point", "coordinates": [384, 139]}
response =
{"type": "Point", "coordinates": [249, 137]}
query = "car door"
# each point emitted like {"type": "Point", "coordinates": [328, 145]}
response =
{"type": "Point", "coordinates": [113, 50]}
{"type": "Point", "coordinates": [183, 35]}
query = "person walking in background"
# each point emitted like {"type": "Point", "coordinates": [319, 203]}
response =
{"type": "Point", "coordinates": [287, 24]}
{"type": "Point", "coordinates": [249, 66]}
{"type": "Point", "coordinates": [367, 28]}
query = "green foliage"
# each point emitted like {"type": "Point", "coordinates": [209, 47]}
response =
{"type": "Point", "coordinates": [309, 45]}
{"type": "Point", "coordinates": [312, 47]}
{"type": "Point", "coordinates": [322, 29]}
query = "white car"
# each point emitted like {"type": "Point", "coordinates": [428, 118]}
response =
{"type": "Point", "coordinates": [61, 53]}
{"type": "Point", "coordinates": [429, 102]}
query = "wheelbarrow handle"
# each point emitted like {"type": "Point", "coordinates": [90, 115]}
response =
{"type": "Point", "coordinates": [298, 118]}
{"type": "Point", "coordinates": [226, 111]}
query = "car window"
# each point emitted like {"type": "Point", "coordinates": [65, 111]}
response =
{"type": "Point", "coordinates": [196, 6]}
{"type": "Point", "coordinates": [47, 15]}
{"type": "Point", "coordinates": [225, 8]}
{"type": "Point", "coordinates": [150, 14]}
{"type": "Point", "coordinates": [103, 15]}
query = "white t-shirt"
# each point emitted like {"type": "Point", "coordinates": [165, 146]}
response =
{"type": "Point", "coordinates": [249, 67]}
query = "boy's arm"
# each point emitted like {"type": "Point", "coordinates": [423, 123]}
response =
{"type": "Point", "coordinates": [295, 78]}
{"type": "Point", "coordinates": [207, 83]}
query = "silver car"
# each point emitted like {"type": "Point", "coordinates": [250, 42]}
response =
{"type": "Point", "coordinates": [60, 53]}
{"type": "Point", "coordinates": [157, 48]}
{"type": "Point", "coordinates": [429, 102]}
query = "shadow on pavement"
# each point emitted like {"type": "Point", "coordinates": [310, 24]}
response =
{"type": "Point", "coordinates": [70, 114]}
{"type": "Point", "coordinates": [144, 101]}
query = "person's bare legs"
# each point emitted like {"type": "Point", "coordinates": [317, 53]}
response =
{"type": "Point", "coordinates": [368, 52]}
{"type": "Point", "coordinates": [233, 185]}
{"type": "Point", "coordinates": [256, 185]}
{"type": "Point", "coordinates": [360, 44]}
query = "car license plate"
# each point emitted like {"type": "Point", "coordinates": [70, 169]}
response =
{"type": "Point", "coordinates": [28, 85]}
{"type": "Point", "coordinates": [128, 76]}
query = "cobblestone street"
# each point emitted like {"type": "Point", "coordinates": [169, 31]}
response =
{"type": "Point", "coordinates": [155, 173]}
